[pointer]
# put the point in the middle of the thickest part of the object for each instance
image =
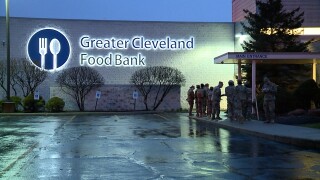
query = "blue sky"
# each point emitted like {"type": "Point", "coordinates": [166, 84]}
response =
{"type": "Point", "coordinates": [135, 10]}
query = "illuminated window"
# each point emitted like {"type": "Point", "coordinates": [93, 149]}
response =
{"type": "Point", "coordinates": [299, 31]}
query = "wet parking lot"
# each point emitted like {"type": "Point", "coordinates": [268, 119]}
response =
{"type": "Point", "coordinates": [143, 146]}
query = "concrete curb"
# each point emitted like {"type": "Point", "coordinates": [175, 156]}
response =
{"type": "Point", "coordinates": [288, 133]}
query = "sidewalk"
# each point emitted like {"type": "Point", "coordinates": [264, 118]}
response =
{"type": "Point", "coordinates": [295, 135]}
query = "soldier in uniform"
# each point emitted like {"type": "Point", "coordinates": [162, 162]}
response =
{"type": "Point", "coordinates": [249, 101]}
{"type": "Point", "coordinates": [200, 100]}
{"type": "Point", "coordinates": [209, 102]}
{"type": "Point", "coordinates": [216, 98]}
{"type": "Point", "coordinates": [205, 97]}
{"type": "Point", "coordinates": [190, 99]}
{"type": "Point", "coordinates": [240, 100]}
{"type": "Point", "coordinates": [196, 99]}
{"type": "Point", "coordinates": [269, 89]}
{"type": "Point", "coordinates": [230, 92]}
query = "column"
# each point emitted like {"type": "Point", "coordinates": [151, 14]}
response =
{"type": "Point", "coordinates": [314, 70]}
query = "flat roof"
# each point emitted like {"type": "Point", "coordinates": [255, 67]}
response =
{"type": "Point", "coordinates": [268, 58]}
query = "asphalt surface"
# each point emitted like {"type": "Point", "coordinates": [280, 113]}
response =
{"type": "Point", "coordinates": [144, 146]}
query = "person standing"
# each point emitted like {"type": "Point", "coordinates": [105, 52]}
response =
{"type": "Point", "coordinates": [205, 97]}
{"type": "Point", "coordinates": [230, 93]}
{"type": "Point", "coordinates": [200, 100]}
{"type": "Point", "coordinates": [249, 103]}
{"type": "Point", "coordinates": [196, 99]}
{"type": "Point", "coordinates": [269, 89]}
{"type": "Point", "coordinates": [240, 101]}
{"type": "Point", "coordinates": [209, 102]}
{"type": "Point", "coordinates": [190, 99]}
{"type": "Point", "coordinates": [216, 98]}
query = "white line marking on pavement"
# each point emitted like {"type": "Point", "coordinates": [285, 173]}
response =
{"type": "Point", "coordinates": [16, 160]}
{"type": "Point", "coordinates": [161, 116]}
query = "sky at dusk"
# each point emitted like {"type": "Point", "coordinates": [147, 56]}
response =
{"type": "Point", "coordinates": [131, 10]}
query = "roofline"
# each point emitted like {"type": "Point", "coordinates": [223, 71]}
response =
{"type": "Point", "coordinates": [268, 57]}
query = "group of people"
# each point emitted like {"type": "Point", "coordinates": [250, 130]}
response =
{"type": "Point", "coordinates": [206, 100]}
{"type": "Point", "coordinates": [239, 100]}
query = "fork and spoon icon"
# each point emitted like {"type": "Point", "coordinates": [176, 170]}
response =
{"type": "Point", "coordinates": [54, 48]}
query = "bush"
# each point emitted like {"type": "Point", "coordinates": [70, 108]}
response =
{"type": "Point", "coordinates": [55, 104]}
{"type": "Point", "coordinates": [17, 102]}
{"type": "Point", "coordinates": [307, 91]}
{"type": "Point", "coordinates": [285, 101]}
{"type": "Point", "coordinates": [31, 105]}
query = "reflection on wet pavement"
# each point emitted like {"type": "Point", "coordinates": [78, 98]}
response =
{"type": "Point", "coordinates": [150, 146]}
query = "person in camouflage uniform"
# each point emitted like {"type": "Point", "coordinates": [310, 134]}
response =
{"type": "Point", "coordinates": [209, 102]}
{"type": "Point", "coordinates": [230, 92]}
{"type": "Point", "coordinates": [248, 115]}
{"type": "Point", "coordinates": [190, 99]}
{"type": "Point", "coordinates": [269, 89]}
{"type": "Point", "coordinates": [196, 99]}
{"type": "Point", "coordinates": [205, 97]}
{"type": "Point", "coordinates": [200, 99]}
{"type": "Point", "coordinates": [240, 100]}
{"type": "Point", "coordinates": [216, 98]}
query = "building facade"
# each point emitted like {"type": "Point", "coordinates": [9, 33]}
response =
{"type": "Point", "coordinates": [310, 8]}
{"type": "Point", "coordinates": [116, 49]}
{"type": "Point", "coordinates": [310, 28]}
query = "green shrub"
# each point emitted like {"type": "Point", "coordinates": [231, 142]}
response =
{"type": "Point", "coordinates": [55, 104]}
{"type": "Point", "coordinates": [31, 105]}
{"type": "Point", "coordinates": [17, 102]}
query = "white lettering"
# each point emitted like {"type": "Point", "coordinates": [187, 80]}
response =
{"type": "Point", "coordinates": [162, 44]}
{"type": "Point", "coordinates": [83, 42]}
{"type": "Point", "coordinates": [122, 60]}
{"type": "Point", "coordinates": [91, 43]}
{"type": "Point", "coordinates": [95, 60]}
{"type": "Point", "coordinates": [138, 42]}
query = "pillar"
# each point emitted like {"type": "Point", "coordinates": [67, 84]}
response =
{"type": "Point", "coordinates": [314, 70]}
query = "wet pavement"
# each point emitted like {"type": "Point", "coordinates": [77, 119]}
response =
{"type": "Point", "coordinates": [289, 134]}
{"type": "Point", "coordinates": [144, 146]}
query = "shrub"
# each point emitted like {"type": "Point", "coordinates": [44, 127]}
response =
{"type": "Point", "coordinates": [307, 91]}
{"type": "Point", "coordinates": [31, 105]}
{"type": "Point", "coordinates": [285, 102]}
{"type": "Point", "coordinates": [55, 104]}
{"type": "Point", "coordinates": [17, 102]}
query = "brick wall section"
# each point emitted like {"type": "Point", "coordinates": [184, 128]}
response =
{"type": "Point", "coordinates": [119, 98]}
{"type": "Point", "coordinates": [311, 9]}
{"type": "Point", "coordinates": [239, 5]}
